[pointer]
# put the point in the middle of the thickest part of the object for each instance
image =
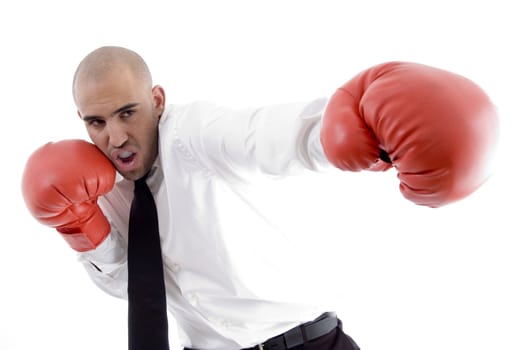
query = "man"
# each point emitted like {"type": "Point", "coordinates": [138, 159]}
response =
{"type": "Point", "coordinates": [435, 127]}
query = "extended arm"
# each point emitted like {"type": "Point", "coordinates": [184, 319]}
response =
{"type": "Point", "coordinates": [277, 140]}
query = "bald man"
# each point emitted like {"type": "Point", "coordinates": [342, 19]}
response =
{"type": "Point", "coordinates": [194, 156]}
{"type": "Point", "coordinates": [189, 153]}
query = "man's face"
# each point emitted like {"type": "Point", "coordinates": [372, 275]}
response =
{"type": "Point", "coordinates": [121, 115]}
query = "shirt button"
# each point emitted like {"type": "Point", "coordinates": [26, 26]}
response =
{"type": "Point", "coordinates": [193, 298]}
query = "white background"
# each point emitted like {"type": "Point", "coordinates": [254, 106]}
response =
{"type": "Point", "coordinates": [400, 276]}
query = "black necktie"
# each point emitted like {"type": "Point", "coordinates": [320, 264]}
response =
{"type": "Point", "coordinates": [147, 318]}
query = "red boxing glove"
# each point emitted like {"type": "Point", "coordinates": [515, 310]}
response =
{"type": "Point", "coordinates": [61, 184]}
{"type": "Point", "coordinates": [437, 128]}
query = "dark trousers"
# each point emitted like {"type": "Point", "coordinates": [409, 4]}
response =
{"type": "Point", "coordinates": [334, 340]}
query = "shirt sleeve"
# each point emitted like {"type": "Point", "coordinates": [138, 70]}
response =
{"type": "Point", "coordinates": [278, 140]}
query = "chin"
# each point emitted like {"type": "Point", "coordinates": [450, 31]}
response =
{"type": "Point", "coordinates": [132, 175]}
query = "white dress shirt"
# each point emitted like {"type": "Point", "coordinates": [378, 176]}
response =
{"type": "Point", "coordinates": [216, 245]}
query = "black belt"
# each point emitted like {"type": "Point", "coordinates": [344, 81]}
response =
{"type": "Point", "coordinates": [301, 334]}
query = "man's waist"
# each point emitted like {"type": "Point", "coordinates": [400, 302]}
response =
{"type": "Point", "coordinates": [301, 334]}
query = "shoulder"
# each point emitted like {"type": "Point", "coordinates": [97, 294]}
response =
{"type": "Point", "coordinates": [180, 133]}
{"type": "Point", "coordinates": [178, 112]}
{"type": "Point", "coordinates": [188, 121]}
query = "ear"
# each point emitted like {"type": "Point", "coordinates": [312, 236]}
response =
{"type": "Point", "coordinates": [158, 98]}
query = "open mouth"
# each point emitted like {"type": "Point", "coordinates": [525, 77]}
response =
{"type": "Point", "coordinates": [126, 157]}
{"type": "Point", "coordinates": [126, 160]}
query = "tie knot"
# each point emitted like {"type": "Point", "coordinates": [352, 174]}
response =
{"type": "Point", "coordinates": [141, 181]}
{"type": "Point", "coordinates": [141, 188]}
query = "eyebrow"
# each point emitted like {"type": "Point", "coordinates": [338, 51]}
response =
{"type": "Point", "coordinates": [115, 112]}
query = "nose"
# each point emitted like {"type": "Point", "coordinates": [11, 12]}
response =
{"type": "Point", "coordinates": [117, 135]}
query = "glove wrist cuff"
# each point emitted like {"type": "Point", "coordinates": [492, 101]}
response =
{"type": "Point", "coordinates": [89, 235]}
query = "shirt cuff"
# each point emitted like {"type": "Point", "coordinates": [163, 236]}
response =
{"type": "Point", "coordinates": [108, 257]}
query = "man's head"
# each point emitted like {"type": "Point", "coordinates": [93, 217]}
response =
{"type": "Point", "coordinates": [113, 91]}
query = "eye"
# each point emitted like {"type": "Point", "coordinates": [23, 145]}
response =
{"type": "Point", "coordinates": [127, 113]}
{"type": "Point", "coordinates": [95, 122]}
